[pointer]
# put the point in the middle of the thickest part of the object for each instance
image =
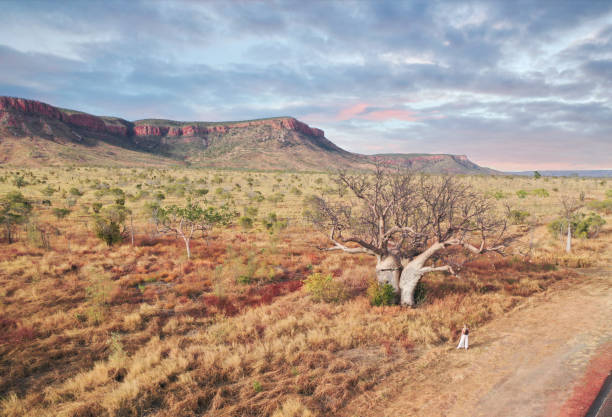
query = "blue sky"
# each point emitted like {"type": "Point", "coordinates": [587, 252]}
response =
{"type": "Point", "coordinates": [512, 84]}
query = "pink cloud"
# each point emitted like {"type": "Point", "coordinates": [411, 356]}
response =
{"type": "Point", "coordinates": [396, 114]}
{"type": "Point", "coordinates": [360, 111]}
{"type": "Point", "coordinates": [351, 112]}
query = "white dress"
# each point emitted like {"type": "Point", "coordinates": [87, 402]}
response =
{"type": "Point", "coordinates": [463, 342]}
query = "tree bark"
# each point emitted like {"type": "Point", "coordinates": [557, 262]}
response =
{"type": "Point", "coordinates": [187, 247]}
{"type": "Point", "coordinates": [411, 274]}
{"type": "Point", "coordinates": [568, 243]}
{"type": "Point", "coordinates": [388, 270]}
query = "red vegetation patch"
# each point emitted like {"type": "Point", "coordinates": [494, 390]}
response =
{"type": "Point", "coordinates": [256, 296]}
{"type": "Point", "coordinates": [587, 388]}
{"type": "Point", "coordinates": [11, 332]}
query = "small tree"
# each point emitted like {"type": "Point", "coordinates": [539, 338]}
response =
{"type": "Point", "coordinates": [15, 209]}
{"type": "Point", "coordinates": [185, 221]}
{"type": "Point", "coordinates": [569, 208]}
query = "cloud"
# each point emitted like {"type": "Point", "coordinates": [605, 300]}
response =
{"type": "Point", "coordinates": [500, 81]}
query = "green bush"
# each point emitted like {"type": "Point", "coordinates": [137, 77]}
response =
{"type": "Point", "coordinates": [276, 198]}
{"type": "Point", "coordinates": [324, 288]}
{"type": "Point", "coordinates": [582, 226]}
{"type": "Point", "coordinates": [274, 224]}
{"type": "Point", "coordinates": [48, 191]}
{"type": "Point", "coordinates": [257, 387]}
{"type": "Point", "coordinates": [604, 206]}
{"type": "Point", "coordinates": [521, 193]}
{"type": "Point", "coordinates": [381, 295]}
{"type": "Point", "coordinates": [250, 211]}
{"type": "Point", "coordinates": [609, 193]}
{"type": "Point", "coordinates": [60, 213]}
{"type": "Point", "coordinates": [245, 222]}
{"type": "Point", "coordinates": [76, 192]}
{"type": "Point", "coordinates": [518, 216]}
{"type": "Point", "coordinates": [541, 192]}
{"type": "Point", "coordinates": [108, 231]}
{"type": "Point", "coordinates": [19, 182]}
{"type": "Point", "coordinates": [109, 223]}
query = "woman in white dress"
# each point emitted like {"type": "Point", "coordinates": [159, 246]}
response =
{"type": "Point", "coordinates": [463, 342]}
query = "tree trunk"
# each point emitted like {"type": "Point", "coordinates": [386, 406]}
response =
{"type": "Point", "coordinates": [568, 243]}
{"type": "Point", "coordinates": [132, 228]}
{"type": "Point", "coordinates": [411, 274]}
{"type": "Point", "coordinates": [187, 246]}
{"type": "Point", "coordinates": [9, 235]}
{"type": "Point", "coordinates": [388, 270]}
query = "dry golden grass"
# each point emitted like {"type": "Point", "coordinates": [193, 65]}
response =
{"type": "Point", "coordinates": [127, 331]}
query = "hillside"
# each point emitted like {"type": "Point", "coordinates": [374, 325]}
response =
{"type": "Point", "coordinates": [434, 163]}
{"type": "Point", "coordinates": [33, 133]}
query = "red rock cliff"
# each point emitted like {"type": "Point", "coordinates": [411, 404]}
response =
{"type": "Point", "coordinates": [10, 105]}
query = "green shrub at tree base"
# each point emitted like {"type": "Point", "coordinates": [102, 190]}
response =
{"type": "Point", "coordinates": [382, 295]}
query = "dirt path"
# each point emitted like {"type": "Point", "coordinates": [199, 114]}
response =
{"type": "Point", "coordinates": [531, 362]}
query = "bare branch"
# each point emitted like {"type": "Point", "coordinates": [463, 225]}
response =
{"type": "Point", "coordinates": [446, 268]}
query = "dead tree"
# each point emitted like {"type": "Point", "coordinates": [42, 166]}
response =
{"type": "Point", "coordinates": [404, 219]}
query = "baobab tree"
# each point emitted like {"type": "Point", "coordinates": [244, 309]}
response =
{"type": "Point", "coordinates": [569, 207]}
{"type": "Point", "coordinates": [404, 219]}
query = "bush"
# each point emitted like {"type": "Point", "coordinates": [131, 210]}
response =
{"type": "Point", "coordinates": [324, 288]}
{"type": "Point", "coordinates": [19, 182]}
{"type": "Point", "coordinates": [541, 192]}
{"type": "Point", "coordinates": [256, 196]}
{"type": "Point", "coordinates": [609, 193]}
{"type": "Point", "coordinates": [245, 222]}
{"type": "Point", "coordinates": [276, 198]}
{"type": "Point", "coordinates": [604, 206]}
{"type": "Point", "coordinates": [382, 295]}
{"type": "Point", "coordinates": [521, 193]}
{"type": "Point", "coordinates": [582, 226]}
{"type": "Point", "coordinates": [48, 191]}
{"type": "Point", "coordinates": [61, 213]}
{"type": "Point", "coordinates": [518, 216]}
{"type": "Point", "coordinates": [273, 224]}
{"type": "Point", "coordinates": [108, 231]}
{"type": "Point", "coordinates": [76, 192]}
{"type": "Point", "coordinates": [108, 225]}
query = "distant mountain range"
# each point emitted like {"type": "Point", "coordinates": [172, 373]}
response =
{"type": "Point", "coordinates": [568, 173]}
{"type": "Point", "coordinates": [33, 133]}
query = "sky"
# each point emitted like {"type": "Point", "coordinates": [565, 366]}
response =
{"type": "Point", "coordinates": [514, 85]}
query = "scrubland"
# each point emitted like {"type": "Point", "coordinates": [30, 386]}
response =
{"type": "Point", "coordinates": [138, 329]}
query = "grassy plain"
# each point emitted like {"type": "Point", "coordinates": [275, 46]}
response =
{"type": "Point", "coordinates": [131, 330]}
